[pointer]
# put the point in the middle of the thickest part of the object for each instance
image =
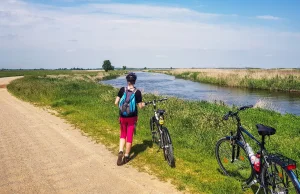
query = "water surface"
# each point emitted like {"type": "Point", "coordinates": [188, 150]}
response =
{"type": "Point", "coordinates": [157, 83]}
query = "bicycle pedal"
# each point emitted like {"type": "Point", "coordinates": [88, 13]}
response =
{"type": "Point", "coordinates": [247, 186]}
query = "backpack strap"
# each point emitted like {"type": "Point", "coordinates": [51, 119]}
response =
{"type": "Point", "coordinates": [134, 91]}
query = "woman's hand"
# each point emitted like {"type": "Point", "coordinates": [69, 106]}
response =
{"type": "Point", "coordinates": [141, 104]}
{"type": "Point", "coordinates": [117, 101]}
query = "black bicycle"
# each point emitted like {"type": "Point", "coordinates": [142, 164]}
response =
{"type": "Point", "coordinates": [274, 172]}
{"type": "Point", "coordinates": [160, 134]}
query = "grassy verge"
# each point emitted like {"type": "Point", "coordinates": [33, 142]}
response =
{"type": "Point", "coordinates": [194, 127]}
{"type": "Point", "coordinates": [105, 75]}
{"type": "Point", "coordinates": [73, 74]}
{"type": "Point", "coordinates": [10, 73]}
{"type": "Point", "coordinates": [276, 80]}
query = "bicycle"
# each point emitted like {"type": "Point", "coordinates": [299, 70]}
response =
{"type": "Point", "coordinates": [160, 134]}
{"type": "Point", "coordinates": [275, 173]}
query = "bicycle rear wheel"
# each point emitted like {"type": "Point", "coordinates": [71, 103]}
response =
{"type": "Point", "coordinates": [277, 179]}
{"type": "Point", "coordinates": [240, 167]}
{"type": "Point", "coordinates": [168, 147]}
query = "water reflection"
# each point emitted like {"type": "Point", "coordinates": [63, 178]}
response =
{"type": "Point", "coordinates": [167, 85]}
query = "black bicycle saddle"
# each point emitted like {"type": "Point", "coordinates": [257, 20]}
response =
{"type": "Point", "coordinates": [161, 112]}
{"type": "Point", "coordinates": [265, 130]}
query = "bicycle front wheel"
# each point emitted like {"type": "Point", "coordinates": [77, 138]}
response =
{"type": "Point", "coordinates": [154, 130]}
{"type": "Point", "coordinates": [277, 179]}
{"type": "Point", "coordinates": [168, 147]}
{"type": "Point", "coordinates": [233, 160]}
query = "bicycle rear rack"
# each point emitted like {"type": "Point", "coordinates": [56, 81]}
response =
{"type": "Point", "coordinates": [283, 161]}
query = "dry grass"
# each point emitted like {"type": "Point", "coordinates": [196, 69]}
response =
{"type": "Point", "coordinates": [239, 77]}
{"type": "Point", "coordinates": [241, 73]}
{"type": "Point", "coordinates": [88, 77]}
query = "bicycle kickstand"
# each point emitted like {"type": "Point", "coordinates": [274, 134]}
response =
{"type": "Point", "coordinates": [159, 147]}
{"type": "Point", "coordinates": [260, 187]}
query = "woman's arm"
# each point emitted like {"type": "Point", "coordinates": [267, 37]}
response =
{"type": "Point", "coordinates": [139, 99]}
{"type": "Point", "coordinates": [117, 101]}
{"type": "Point", "coordinates": [120, 94]}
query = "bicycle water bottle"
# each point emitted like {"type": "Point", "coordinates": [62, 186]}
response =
{"type": "Point", "coordinates": [250, 153]}
{"type": "Point", "coordinates": [256, 164]}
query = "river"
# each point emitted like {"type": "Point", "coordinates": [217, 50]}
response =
{"type": "Point", "coordinates": [162, 84]}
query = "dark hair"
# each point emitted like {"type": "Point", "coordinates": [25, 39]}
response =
{"type": "Point", "coordinates": [131, 78]}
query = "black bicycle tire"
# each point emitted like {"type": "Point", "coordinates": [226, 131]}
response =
{"type": "Point", "coordinates": [152, 129]}
{"type": "Point", "coordinates": [168, 152]}
{"type": "Point", "coordinates": [247, 180]}
{"type": "Point", "coordinates": [287, 172]}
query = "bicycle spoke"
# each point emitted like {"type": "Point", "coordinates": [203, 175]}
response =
{"type": "Point", "coordinates": [239, 166]}
{"type": "Point", "coordinates": [276, 180]}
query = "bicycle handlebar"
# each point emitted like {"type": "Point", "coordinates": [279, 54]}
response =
{"type": "Point", "coordinates": [225, 117]}
{"type": "Point", "coordinates": [233, 114]}
{"type": "Point", "coordinates": [154, 101]}
{"type": "Point", "coordinates": [245, 107]}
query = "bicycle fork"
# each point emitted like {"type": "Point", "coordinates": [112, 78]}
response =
{"type": "Point", "coordinates": [232, 141]}
{"type": "Point", "coordinates": [160, 140]}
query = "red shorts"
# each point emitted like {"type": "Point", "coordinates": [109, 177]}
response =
{"type": "Point", "coordinates": [127, 126]}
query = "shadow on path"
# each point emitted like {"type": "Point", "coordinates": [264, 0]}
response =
{"type": "Point", "coordinates": [138, 148]}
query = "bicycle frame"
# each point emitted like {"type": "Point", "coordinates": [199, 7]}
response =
{"type": "Point", "coordinates": [266, 160]}
{"type": "Point", "coordinates": [295, 179]}
{"type": "Point", "coordinates": [159, 126]}
{"type": "Point", "coordinates": [240, 139]}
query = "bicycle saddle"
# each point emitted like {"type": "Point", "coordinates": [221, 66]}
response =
{"type": "Point", "coordinates": [161, 112]}
{"type": "Point", "coordinates": [265, 130]}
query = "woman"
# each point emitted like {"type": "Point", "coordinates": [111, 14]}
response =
{"type": "Point", "coordinates": [127, 100]}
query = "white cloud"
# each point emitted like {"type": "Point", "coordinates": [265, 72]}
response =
{"type": "Point", "coordinates": [70, 50]}
{"type": "Point", "coordinates": [147, 11]}
{"type": "Point", "coordinates": [100, 31]}
{"type": "Point", "coordinates": [8, 36]}
{"type": "Point", "coordinates": [268, 17]}
{"type": "Point", "coordinates": [268, 55]}
{"type": "Point", "coordinates": [161, 56]}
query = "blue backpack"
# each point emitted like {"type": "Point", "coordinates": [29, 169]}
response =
{"type": "Point", "coordinates": [127, 104]}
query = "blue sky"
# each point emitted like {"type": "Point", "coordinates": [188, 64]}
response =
{"type": "Point", "coordinates": [196, 33]}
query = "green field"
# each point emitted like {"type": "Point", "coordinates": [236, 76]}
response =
{"type": "Point", "coordinates": [194, 127]}
{"type": "Point", "coordinates": [10, 73]}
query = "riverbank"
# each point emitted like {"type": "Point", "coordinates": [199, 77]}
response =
{"type": "Point", "coordinates": [266, 79]}
{"type": "Point", "coordinates": [194, 127]}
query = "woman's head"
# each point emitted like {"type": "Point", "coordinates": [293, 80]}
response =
{"type": "Point", "coordinates": [131, 78]}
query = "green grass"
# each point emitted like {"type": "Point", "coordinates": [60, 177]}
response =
{"type": "Point", "coordinates": [195, 128]}
{"type": "Point", "coordinates": [10, 73]}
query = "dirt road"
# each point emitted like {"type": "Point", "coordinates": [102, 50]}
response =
{"type": "Point", "coordinates": [40, 153]}
{"type": "Point", "coordinates": [6, 80]}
